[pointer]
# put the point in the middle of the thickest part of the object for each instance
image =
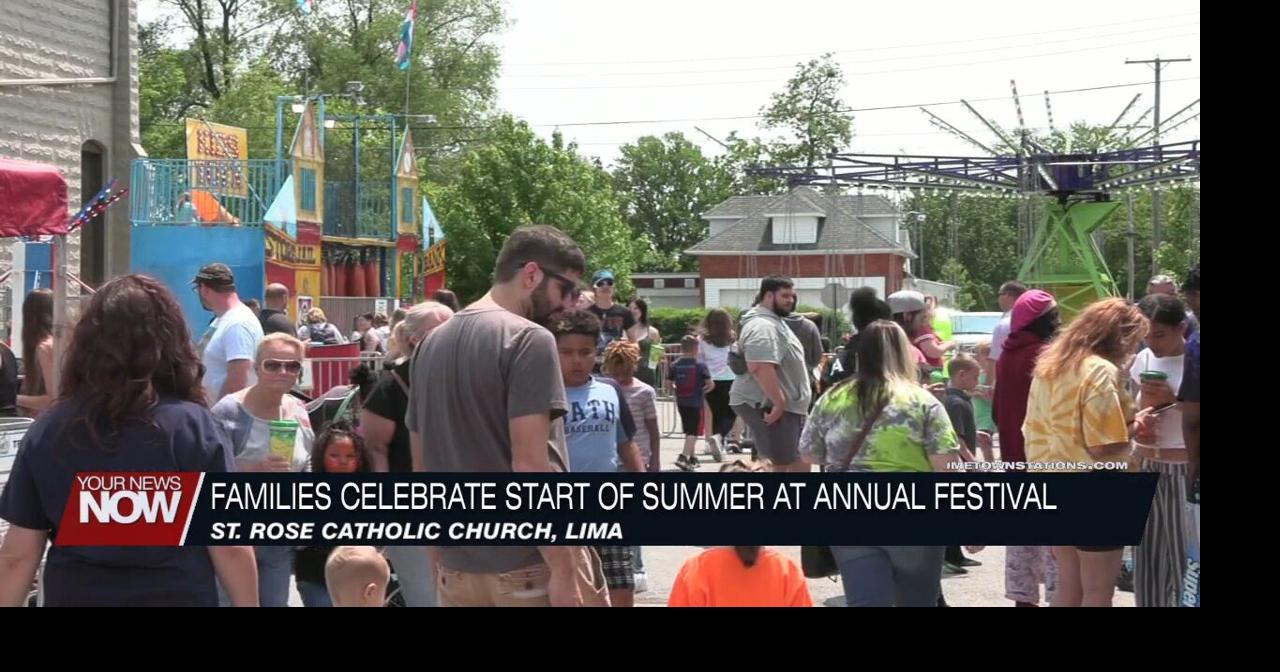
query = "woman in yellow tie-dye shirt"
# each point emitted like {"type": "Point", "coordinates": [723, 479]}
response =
{"type": "Point", "coordinates": [1079, 413]}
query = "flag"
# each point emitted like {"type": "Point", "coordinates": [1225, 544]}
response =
{"type": "Point", "coordinates": [404, 53]}
{"type": "Point", "coordinates": [305, 6]}
{"type": "Point", "coordinates": [283, 212]}
{"type": "Point", "coordinates": [431, 226]}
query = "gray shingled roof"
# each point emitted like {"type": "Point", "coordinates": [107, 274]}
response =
{"type": "Point", "coordinates": [736, 206]}
{"type": "Point", "coordinates": [870, 205]}
{"type": "Point", "coordinates": [840, 230]}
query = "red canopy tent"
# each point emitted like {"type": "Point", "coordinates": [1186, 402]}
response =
{"type": "Point", "coordinates": [33, 200]}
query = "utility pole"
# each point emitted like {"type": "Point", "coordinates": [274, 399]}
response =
{"type": "Point", "coordinates": [1157, 225]}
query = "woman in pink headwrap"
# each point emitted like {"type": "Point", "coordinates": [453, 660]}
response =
{"type": "Point", "coordinates": [1034, 320]}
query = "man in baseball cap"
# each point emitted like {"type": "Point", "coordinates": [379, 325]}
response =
{"type": "Point", "coordinates": [906, 301]}
{"type": "Point", "coordinates": [214, 276]}
{"type": "Point", "coordinates": [231, 341]}
{"type": "Point", "coordinates": [615, 319]}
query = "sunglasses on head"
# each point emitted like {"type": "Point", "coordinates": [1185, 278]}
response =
{"type": "Point", "coordinates": [278, 365]}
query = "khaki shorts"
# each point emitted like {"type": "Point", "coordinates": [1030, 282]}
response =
{"type": "Point", "coordinates": [525, 587]}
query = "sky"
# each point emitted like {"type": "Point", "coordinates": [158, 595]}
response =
{"type": "Point", "coordinates": [606, 72]}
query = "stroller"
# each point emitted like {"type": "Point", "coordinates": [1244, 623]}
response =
{"type": "Point", "coordinates": [341, 404]}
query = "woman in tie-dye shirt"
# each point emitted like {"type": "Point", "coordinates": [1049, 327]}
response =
{"type": "Point", "coordinates": [910, 431]}
{"type": "Point", "coordinates": [1079, 412]}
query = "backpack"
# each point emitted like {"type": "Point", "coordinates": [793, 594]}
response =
{"type": "Point", "coordinates": [687, 382]}
{"type": "Point", "coordinates": [324, 333]}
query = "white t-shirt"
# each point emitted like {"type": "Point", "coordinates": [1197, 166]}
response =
{"type": "Point", "coordinates": [1001, 332]}
{"type": "Point", "coordinates": [1169, 425]}
{"type": "Point", "coordinates": [717, 360]}
{"type": "Point", "coordinates": [233, 336]}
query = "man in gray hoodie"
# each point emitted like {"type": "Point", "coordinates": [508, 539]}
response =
{"type": "Point", "coordinates": [772, 398]}
{"type": "Point", "coordinates": [806, 330]}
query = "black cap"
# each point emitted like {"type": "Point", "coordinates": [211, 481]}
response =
{"type": "Point", "coordinates": [215, 276]}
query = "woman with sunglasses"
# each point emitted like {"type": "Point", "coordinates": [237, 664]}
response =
{"type": "Point", "coordinates": [260, 420]}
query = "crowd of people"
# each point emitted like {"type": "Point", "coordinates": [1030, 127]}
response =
{"type": "Point", "coordinates": [540, 376]}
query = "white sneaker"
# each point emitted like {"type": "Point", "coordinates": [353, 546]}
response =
{"type": "Point", "coordinates": [642, 582]}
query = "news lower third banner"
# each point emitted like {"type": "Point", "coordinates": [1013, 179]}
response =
{"type": "Point", "coordinates": [194, 509]}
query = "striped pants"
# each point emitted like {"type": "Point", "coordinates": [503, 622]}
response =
{"type": "Point", "coordinates": [1160, 560]}
{"type": "Point", "coordinates": [1026, 568]}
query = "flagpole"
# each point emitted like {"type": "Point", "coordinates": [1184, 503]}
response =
{"type": "Point", "coordinates": [407, 73]}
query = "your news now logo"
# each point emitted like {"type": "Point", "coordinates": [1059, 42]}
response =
{"type": "Point", "coordinates": [129, 509]}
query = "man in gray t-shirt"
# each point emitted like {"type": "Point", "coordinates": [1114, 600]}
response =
{"type": "Point", "coordinates": [486, 395]}
{"type": "Point", "coordinates": [772, 398]}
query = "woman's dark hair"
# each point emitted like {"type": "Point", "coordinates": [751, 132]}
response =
{"type": "Point", "coordinates": [448, 298]}
{"type": "Point", "coordinates": [718, 327]}
{"type": "Point", "coordinates": [333, 431]}
{"type": "Point", "coordinates": [363, 379]}
{"type": "Point", "coordinates": [130, 348]}
{"type": "Point", "coordinates": [1046, 326]}
{"type": "Point", "coordinates": [37, 325]}
{"type": "Point", "coordinates": [644, 310]}
{"type": "Point", "coordinates": [748, 554]}
{"type": "Point", "coordinates": [1192, 283]}
{"type": "Point", "coordinates": [885, 365]}
{"type": "Point", "coordinates": [867, 308]}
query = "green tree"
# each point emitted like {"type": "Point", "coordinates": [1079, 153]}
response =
{"type": "Point", "coordinates": [517, 178]}
{"type": "Point", "coordinates": [254, 50]}
{"type": "Point", "coordinates": [169, 91]}
{"type": "Point", "coordinates": [809, 119]}
{"type": "Point", "coordinates": [453, 72]}
{"type": "Point", "coordinates": [978, 233]}
{"type": "Point", "coordinates": [665, 185]}
{"type": "Point", "coordinates": [225, 32]}
{"type": "Point", "coordinates": [811, 114]}
{"type": "Point", "coordinates": [740, 157]}
{"type": "Point", "coordinates": [972, 294]}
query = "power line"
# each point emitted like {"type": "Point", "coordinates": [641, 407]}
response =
{"type": "Point", "coordinates": [940, 66]}
{"type": "Point", "coordinates": [907, 57]}
{"type": "Point", "coordinates": [626, 122]}
{"type": "Point", "coordinates": [863, 50]}
{"type": "Point", "coordinates": [850, 110]}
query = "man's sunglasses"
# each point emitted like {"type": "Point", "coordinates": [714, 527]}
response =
{"type": "Point", "coordinates": [278, 365]}
{"type": "Point", "coordinates": [568, 286]}
{"type": "Point", "coordinates": [604, 283]}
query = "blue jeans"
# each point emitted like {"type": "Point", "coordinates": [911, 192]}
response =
{"type": "Point", "coordinates": [314, 594]}
{"type": "Point", "coordinates": [885, 576]}
{"type": "Point", "coordinates": [275, 566]}
{"type": "Point", "coordinates": [412, 566]}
